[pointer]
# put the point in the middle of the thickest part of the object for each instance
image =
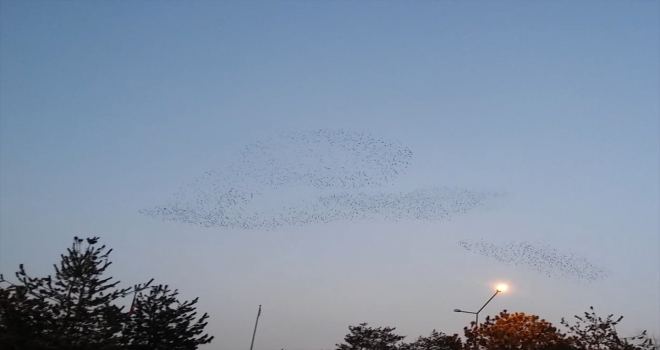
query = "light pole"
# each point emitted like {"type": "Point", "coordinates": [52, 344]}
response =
{"type": "Point", "coordinates": [501, 288]}
{"type": "Point", "coordinates": [255, 327]}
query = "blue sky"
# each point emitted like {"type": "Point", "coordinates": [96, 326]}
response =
{"type": "Point", "coordinates": [107, 108]}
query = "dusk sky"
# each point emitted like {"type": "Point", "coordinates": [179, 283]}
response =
{"type": "Point", "coordinates": [109, 108]}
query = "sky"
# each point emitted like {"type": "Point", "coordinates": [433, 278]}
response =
{"type": "Point", "coordinates": [108, 108]}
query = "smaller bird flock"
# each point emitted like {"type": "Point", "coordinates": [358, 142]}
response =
{"type": "Point", "coordinates": [543, 259]}
{"type": "Point", "coordinates": [431, 204]}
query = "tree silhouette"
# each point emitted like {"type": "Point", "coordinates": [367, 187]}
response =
{"type": "Point", "coordinates": [74, 308]}
{"type": "Point", "coordinates": [436, 341]}
{"type": "Point", "coordinates": [22, 319]}
{"type": "Point", "coordinates": [161, 322]}
{"type": "Point", "coordinates": [592, 332]}
{"type": "Point", "coordinates": [506, 331]}
{"type": "Point", "coordinates": [514, 331]}
{"type": "Point", "coordinates": [77, 308]}
{"type": "Point", "coordinates": [363, 337]}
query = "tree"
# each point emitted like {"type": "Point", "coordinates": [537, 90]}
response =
{"type": "Point", "coordinates": [77, 308]}
{"type": "Point", "coordinates": [592, 332]}
{"type": "Point", "coordinates": [514, 331]}
{"type": "Point", "coordinates": [161, 322]}
{"type": "Point", "coordinates": [436, 341]}
{"type": "Point", "coordinates": [363, 337]}
{"type": "Point", "coordinates": [21, 318]}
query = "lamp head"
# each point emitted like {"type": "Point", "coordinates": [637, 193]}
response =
{"type": "Point", "coordinates": [501, 288]}
{"type": "Point", "coordinates": [457, 310]}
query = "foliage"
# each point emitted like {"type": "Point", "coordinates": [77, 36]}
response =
{"type": "Point", "coordinates": [77, 308]}
{"type": "Point", "coordinates": [162, 322]}
{"type": "Point", "coordinates": [436, 341]}
{"type": "Point", "coordinates": [363, 337]}
{"type": "Point", "coordinates": [21, 318]}
{"type": "Point", "coordinates": [506, 331]}
{"type": "Point", "coordinates": [513, 331]}
{"type": "Point", "coordinates": [592, 332]}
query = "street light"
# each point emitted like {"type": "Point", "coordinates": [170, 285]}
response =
{"type": "Point", "coordinates": [500, 288]}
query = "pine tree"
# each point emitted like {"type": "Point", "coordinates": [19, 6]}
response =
{"type": "Point", "coordinates": [80, 301]}
{"type": "Point", "coordinates": [76, 309]}
{"type": "Point", "coordinates": [162, 322]}
{"type": "Point", "coordinates": [23, 318]}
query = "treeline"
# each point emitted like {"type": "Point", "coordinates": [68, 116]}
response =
{"type": "Point", "coordinates": [76, 309]}
{"type": "Point", "coordinates": [507, 331]}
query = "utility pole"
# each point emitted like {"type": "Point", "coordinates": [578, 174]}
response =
{"type": "Point", "coordinates": [255, 327]}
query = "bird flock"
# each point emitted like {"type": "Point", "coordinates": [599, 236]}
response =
{"type": "Point", "coordinates": [431, 204]}
{"type": "Point", "coordinates": [542, 259]}
{"type": "Point", "coordinates": [340, 169]}
{"type": "Point", "coordinates": [316, 177]}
